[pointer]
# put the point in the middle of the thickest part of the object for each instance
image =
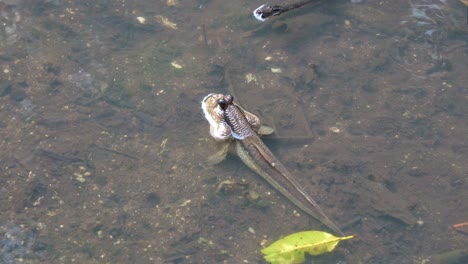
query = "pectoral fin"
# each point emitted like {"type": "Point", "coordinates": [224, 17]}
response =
{"type": "Point", "coordinates": [265, 130]}
{"type": "Point", "coordinates": [220, 154]}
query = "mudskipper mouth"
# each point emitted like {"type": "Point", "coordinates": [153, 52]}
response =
{"type": "Point", "coordinates": [259, 14]}
{"type": "Point", "coordinates": [213, 113]}
{"type": "Point", "coordinates": [211, 110]}
{"type": "Point", "coordinates": [207, 97]}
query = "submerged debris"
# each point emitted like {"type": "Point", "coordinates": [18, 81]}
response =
{"type": "Point", "coordinates": [171, 2]}
{"type": "Point", "coordinates": [141, 20]}
{"type": "Point", "coordinates": [164, 21]}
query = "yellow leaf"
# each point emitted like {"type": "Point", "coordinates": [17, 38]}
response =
{"type": "Point", "coordinates": [291, 249]}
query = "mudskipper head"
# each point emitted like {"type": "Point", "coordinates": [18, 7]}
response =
{"type": "Point", "coordinates": [213, 112]}
{"type": "Point", "coordinates": [213, 106]}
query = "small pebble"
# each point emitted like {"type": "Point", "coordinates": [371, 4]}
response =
{"type": "Point", "coordinates": [335, 130]}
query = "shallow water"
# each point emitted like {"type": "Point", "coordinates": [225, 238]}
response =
{"type": "Point", "coordinates": [104, 144]}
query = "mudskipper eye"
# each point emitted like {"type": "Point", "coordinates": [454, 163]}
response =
{"type": "Point", "coordinates": [229, 98]}
{"type": "Point", "coordinates": [222, 104]}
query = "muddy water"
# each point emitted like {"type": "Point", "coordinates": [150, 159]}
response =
{"type": "Point", "coordinates": [104, 146]}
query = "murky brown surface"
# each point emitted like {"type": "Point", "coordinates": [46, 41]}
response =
{"type": "Point", "coordinates": [103, 143]}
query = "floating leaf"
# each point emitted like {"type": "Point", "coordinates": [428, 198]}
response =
{"type": "Point", "coordinates": [291, 249]}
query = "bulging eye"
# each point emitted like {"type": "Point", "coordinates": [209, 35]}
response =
{"type": "Point", "coordinates": [222, 104]}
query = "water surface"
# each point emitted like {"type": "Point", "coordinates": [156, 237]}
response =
{"type": "Point", "coordinates": [104, 146]}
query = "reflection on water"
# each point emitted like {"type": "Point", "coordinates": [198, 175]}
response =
{"type": "Point", "coordinates": [104, 144]}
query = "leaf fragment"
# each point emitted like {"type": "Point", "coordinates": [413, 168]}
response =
{"type": "Point", "coordinates": [165, 22]}
{"type": "Point", "coordinates": [291, 249]}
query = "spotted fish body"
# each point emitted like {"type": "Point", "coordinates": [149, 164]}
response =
{"type": "Point", "coordinates": [256, 155]}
